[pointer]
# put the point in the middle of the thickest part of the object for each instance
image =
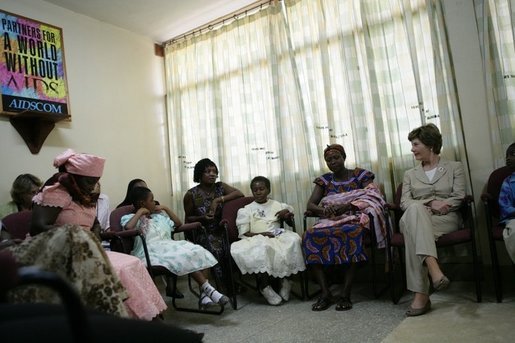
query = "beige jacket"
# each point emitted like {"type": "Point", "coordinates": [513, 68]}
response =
{"type": "Point", "coordinates": [448, 184]}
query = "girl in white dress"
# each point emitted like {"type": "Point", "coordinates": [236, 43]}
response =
{"type": "Point", "coordinates": [181, 257]}
{"type": "Point", "coordinates": [264, 248]}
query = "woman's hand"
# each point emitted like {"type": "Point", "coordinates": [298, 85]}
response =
{"type": "Point", "coordinates": [334, 211]}
{"type": "Point", "coordinates": [210, 215]}
{"type": "Point", "coordinates": [439, 207]}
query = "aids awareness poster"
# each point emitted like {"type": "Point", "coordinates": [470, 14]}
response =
{"type": "Point", "coordinates": [32, 67]}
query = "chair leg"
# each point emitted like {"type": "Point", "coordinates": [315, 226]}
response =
{"type": "Point", "coordinates": [477, 271]}
{"type": "Point", "coordinates": [496, 272]}
{"type": "Point", "coordinates": [306, 286]}
{"type": "Point", "coordinates": [302, 282]}
{"type": "Point", "coordinates": [396, 298]}
{"type": "Point", "coordinates": [373, 266]}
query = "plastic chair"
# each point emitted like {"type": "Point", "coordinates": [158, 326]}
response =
{"type": "Point", "coordinates": [465, 234]}
{"type": "Point", "coordinates": [123, 241]}
{"type": "Point", "coordinates": [491, 202]}
{"type": "Point", "coordinates": [229, 214]}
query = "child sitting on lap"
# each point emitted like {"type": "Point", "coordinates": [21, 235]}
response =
{"type": "Point", "coordinates": [265, 248]}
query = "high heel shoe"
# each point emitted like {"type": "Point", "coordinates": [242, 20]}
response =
{"type": "Point", "coordinates": [413, 312]}
{"type": "Point", "coordinates": [441, 284]}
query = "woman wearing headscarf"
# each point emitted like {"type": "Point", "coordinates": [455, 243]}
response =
{"type": "Point", "coordinates": [336, 240]}
{"type": "Point", "coordinates": [64, 213]}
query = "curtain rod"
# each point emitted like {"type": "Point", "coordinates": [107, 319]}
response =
{"type": "Point", "coordinates": [221, 21]}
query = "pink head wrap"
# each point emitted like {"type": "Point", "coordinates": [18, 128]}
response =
{"type": "Point", "coordinates": [80, 164]}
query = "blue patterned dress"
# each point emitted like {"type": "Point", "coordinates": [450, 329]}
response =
{"type": "Point", "coordinates": [339, 244]}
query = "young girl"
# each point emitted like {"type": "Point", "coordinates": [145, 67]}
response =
{"type": "Point", "coordinates": [181, 257]}
{"type": "Point", "coordinates": [265, 248]}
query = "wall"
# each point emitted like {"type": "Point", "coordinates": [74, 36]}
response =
{"type": "Point", "coordinates": [116, 89]}
{"type": "Point", "coordinates": [468, 68]}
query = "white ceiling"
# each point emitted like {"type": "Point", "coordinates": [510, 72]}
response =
{"type": "Point", "coordinates": [160, 20]}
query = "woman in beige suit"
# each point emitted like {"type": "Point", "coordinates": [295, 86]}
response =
{"type": "Point", "coordinates": [432, 192]}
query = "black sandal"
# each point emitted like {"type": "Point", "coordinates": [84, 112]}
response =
{"type": "Point", "coordinates": [322, 304]}
{"type": "Point", "coordinates": [344, 304]}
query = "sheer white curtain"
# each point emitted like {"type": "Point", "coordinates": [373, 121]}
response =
{"type": "Point", "coordinates": [233, 98]}
{"type": "Point", "coordinates": [496, 23]}
{"type": "Point", "coordinates": [265, 94]}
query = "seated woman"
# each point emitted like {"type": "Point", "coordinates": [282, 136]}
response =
{"type": "Point", "coordinates": [203, 203]}
{"type": "Point", "coordinates": [64, 213]}
{"type": "Point", "coordinates": [432, 193]}
{"type": "Point", "coordinates": [181, 257]}
{"type": "Point", "coordinates": [69, 250]}
{"type": "Point", "coordinates": [264, 247]}
{"type": "Point", "coordinates": [337, 240]}
{"type": "Point", "coordinates": [24, 187]}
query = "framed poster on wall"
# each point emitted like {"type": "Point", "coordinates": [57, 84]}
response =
{"type": "Point", "coordinates": [32, 68]}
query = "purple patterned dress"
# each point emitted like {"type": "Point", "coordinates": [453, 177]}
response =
{"type": "Point", "coordinates": [339, 244]}
{"type": "Point", "coordinates": [212, 238]}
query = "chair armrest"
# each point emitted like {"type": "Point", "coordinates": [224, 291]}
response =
{"type": "Point", "coordinates": [468, 200]}
{"type": "Point", "coordinates": [290, 220]}
{"type": "Point", "coordinates": [309, 213]}
{"type": "Point", "coordinates": [486, 198]}
{"type": "Point", "coordinates": [188, 227]}
{"type": "Point", "coordinates": [108, 235]}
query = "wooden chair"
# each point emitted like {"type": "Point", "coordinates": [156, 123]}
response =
{"type": "Point", "coordinates": [490, 201]}
{"type": "Point", "coordinates": [465, 234]}
{"type": "Point", "coordinates": [229, 214]}
{"type": "Point", "coordinates": [123, 241]}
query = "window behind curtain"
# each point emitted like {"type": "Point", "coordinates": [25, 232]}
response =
{"type": "Point", "coordinates": [496, 21]}
{"type": "Point", "coordinates": [265, 94]}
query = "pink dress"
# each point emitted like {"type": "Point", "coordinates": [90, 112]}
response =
{"type": "Point", "coordinates": [144, 301]}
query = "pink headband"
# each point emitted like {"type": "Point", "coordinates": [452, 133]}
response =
{"type": "Point", "coordinates": [80, 164]}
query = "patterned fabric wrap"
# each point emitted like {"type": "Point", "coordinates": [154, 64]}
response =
{"type": "Point", "coordinates": [369, 201]}
{"type": "Point", "coordinates": [342, 243]}
{"type": "Point", "coordinates": [80, 260]}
